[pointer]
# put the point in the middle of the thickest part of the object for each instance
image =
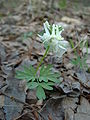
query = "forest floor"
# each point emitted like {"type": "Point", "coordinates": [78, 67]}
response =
{"type": "Point", "coordinates": [20, 45]}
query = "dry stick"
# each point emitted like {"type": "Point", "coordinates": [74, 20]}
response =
{"type": "Point", "coordinates": [16, 99]}
{"type": "Point", "coordinates": [20, 116]}
{"type": "Point", "coordinates": [29, 112]}
{"type": "Point", "coordinates": [75, 46]}
{"type": "Point", "coordinates": [73, 49]}
{"type": "Point", "coordinates": [81, 82]}
{"type": "Point", "coordinates": [3, 86]}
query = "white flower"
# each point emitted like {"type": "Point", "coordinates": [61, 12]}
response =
{"type": "Point", "coordinates": [60, 48]}
{"type": "Point", "coordinates": [52, 37]}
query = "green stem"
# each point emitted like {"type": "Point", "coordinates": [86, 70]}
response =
{"type": "Point", "coordinates": [42, 58]}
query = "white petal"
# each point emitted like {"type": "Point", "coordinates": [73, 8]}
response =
{"type": "Point", "coordinates": [61, 31]}
{"type": "Point", "coordinates": [46, 37]}
{"type": "Point", "coordinates": [57, 30]}
{"type": "Point", "coordinates": [53, 30]}
{"type": "Point", "coordinates": [64, 43]}
{"type": "Point", "coordinates": [40, 36]}
{"type": "Point", "coordinates": [47, 24]}
{"type": "Point", "coordinates": [61, 51]}
{"type": "Point", "coordinates": [46, 29]}
{"type": "Point", "coordinates": [63, 48]}
{"type": "Point", "coordinates": [59, 37]}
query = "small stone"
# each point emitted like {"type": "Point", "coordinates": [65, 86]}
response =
{"type": "Point", "coordinates": [31, 97]}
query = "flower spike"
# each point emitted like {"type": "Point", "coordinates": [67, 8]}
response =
{"type": "Point", "coordinates": [52, 37]}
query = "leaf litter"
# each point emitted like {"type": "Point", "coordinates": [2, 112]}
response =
{"type": "Point", "coordinates": [70, 99]}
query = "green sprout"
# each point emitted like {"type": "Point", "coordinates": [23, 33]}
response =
{"type": "Point", "coordinates": [27, 35]}
{"type": "Point", "coordinates": [80, 61]}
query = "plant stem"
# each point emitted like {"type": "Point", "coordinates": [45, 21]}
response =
{"type": "Point", "coordinates": [42, 58]}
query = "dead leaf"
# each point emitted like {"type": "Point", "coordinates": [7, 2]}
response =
{"type": "Point", "coordinates": [83, 110]}
{"type": "Point", "coordinates": [2, 114]}
{"type": "Point", "coordinates": [11, 107]}
{"type": "Point", "coordinates": [2, 53]}
{"type": "Point", "coordinates": [1, 101]}
{"type": "Point", "coordinates": [84, 77]}
{"type": "Point", "coordinates": [53, 108]}
{"type": "Point", "coordinates": [71, 20]}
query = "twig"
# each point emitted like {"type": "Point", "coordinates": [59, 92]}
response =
{"type": "Point", "coordinates": [20, 116]}
{"type": "Point", "coordinates": [75, 46]}
{"type": "Point", "coordinates": [24, 103]}
{"type": "Point", "coordinates": [3, 86]}
{"type": "Point", "coordinates": [81, 82]}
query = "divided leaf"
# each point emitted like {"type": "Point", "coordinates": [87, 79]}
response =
{"type": "Point", "coordinates": [46, 74]}
{"type": "Point", "coordinates": [32, 85]}
{"type": "Point", "coordinates": [81, 62]}
{"type": "Point", "coordinates": [40, 93]}
{"type": "Point", "coordinates": [46, 86]}
{"type": "Point", "coordinates": [46, 79]}
{"type": "Point", "coordinates": [27, 74]}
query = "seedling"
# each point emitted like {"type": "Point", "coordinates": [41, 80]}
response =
{"type": "Point", "coordinates": [80, 61]}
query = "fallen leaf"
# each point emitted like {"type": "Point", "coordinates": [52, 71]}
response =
{"type": "Point", "coordinates": [71, 20]}
{"type": "Point", "coordinates": [13, 108]}
{"type": "Point", "coordinates": [83, 110]}
{"type": "Point", "coordinates": [54, 109]}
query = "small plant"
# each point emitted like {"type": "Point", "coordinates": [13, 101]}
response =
{"type": "Point", "coordinates": [62, 4]}
{"type": "Point", "coordinates": [80, 61]}
{"type": "Point", "coordinates": [46, 79]}
{"type": "Point", "coordinates": [27, 35]}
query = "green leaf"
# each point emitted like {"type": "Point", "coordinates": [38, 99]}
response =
{"type": "Point", "coordinates": [27, 74]}
{"type": "Point", "coordinates": [71, 43]}
{"type": "Point", "coordinates": [74, 62]}
{"type": "Point", "coordinates": [72, 46]}
{"type": "Point", "coordinates": [43, 78]}
{"type": "Point", "coordinates": [46, 86]}
{"type": "Point", "coordinates": [40, 93]}
{"type": "Point", "coordinates": [32, 85]}
{"type": "Point", "coordinates": [46, 74]}
{"type": "Point", "coordinates": [44, 70]}
{"type": "Point", "coordinates": [81, 62]}
{"type": "Point", "coordinates": [62, 4]}
{"type": "Point", "coordinates": [41, 32]}
{"type": "Point", "coordinates": [51, 83]}
{"type": "Point", "coordinates": [23, 76]}
{"type": "Point", "coordinates": [28, 34]}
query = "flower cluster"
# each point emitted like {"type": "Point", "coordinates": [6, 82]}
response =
{"type": "Point", "coordinates": [52, 37]}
